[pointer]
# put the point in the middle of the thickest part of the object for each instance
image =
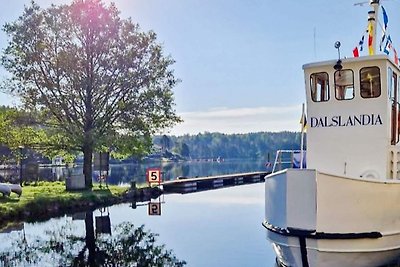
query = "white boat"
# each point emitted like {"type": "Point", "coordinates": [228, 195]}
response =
{"type": "Point", "coordinates": [344, 208]}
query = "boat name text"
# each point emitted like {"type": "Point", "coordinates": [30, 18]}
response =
{"type": "Point", "coordinates": [345, 121]}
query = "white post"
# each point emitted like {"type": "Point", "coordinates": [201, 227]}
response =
{"type": "Point", "coordinates": [303, 117]}
{"type": "Point", "coordinates": [372, 16]}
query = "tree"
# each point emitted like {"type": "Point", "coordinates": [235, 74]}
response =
{"type": "Point", "coordinates": [97, 77]}
{"type": "Point", "coordinates": [183, 150]}
{"type": "Point", "coordinates": [17, 130]}
{"type": "Point", "coordinates": [165, 143]}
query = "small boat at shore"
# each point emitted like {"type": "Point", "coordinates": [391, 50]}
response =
{"type": "Point", "coordinates": [344, 208]}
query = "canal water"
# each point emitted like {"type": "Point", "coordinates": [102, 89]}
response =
{"type": "Point", "coordinates": [124, 173]}
{"type": "Point", "coordinates": [210, 228]}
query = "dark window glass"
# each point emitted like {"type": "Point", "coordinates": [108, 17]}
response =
{"type": "Point", "coordinates": [344, 84]}
{"type": "Point", "coordinates": [370, 82]}
{"type": "Point", "coordinates": [320, 87]}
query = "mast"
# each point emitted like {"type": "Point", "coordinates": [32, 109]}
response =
{"type": "Point", "coordinates": [372, 17]}
{"type": "Point", "coordinates": [303, 123]}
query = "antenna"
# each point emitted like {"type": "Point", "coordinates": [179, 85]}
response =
{"type": "Point", "coordinates": [361, 3]}
{"type": "Point", "coordinates": [366, 2]}
{"type": "Point", "coordinates": [315, 42]}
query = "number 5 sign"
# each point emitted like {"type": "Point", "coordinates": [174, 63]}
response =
{"type": "Point", "coordinates": [153, 175]}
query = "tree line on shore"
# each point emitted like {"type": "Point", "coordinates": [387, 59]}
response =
{"type": "Point", "coordinates": [258, 145]}
{"type": "Point", "coordinates": [20, 127]}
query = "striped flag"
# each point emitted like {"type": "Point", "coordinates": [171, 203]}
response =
{"type": "Point", "coordinates": [385, 22]}
{"type": "Point", "coordinates": [370, 38]}
{"type": "Point", "coordinates": [385, 17]}
{"type": "Point", "coordinates": [388, 45]}
{"type": "Point", "coordinates": [303, 122]}
{"type": "Point", "coordinates": [382, 40]}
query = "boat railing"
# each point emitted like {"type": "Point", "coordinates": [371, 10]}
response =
{"type": "Point", "coordinates": [289, 159]}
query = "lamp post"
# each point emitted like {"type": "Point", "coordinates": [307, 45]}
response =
{"type": "Point", "coordinates": [20, 164]}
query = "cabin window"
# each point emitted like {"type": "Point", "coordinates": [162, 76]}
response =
{"type": "Point", "coordinates": [320, 87]}
{"type": "Point", "coordinates": [370, 82]}
{"type": "Point", "coordinates": [398, 110]}
{"type": "Point", "coordinates": [393, 86]}
{"type": "Point", "coordinates": [398, 87]}
{"type": "Point", "coordinates": [390, 83]}
{"type": "Point", "coordinates": [393, 97]}
{"type": "Point", "coordinates": [344, 84]}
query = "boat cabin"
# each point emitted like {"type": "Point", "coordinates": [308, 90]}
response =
{"type": "Point", "coordinates": [353, 117]}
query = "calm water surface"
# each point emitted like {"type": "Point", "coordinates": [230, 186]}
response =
{"type": "Point", "coordinates": [211, 228]}
{"type": "Point", "coordinates": [124, 173]}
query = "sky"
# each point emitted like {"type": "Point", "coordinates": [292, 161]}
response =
{"type": "Point", "coordinates": [240, 61]}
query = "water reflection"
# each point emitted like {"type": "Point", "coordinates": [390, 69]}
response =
{"type": "Point", "coordinates": [170, 170]}
{"type": "Point", "coordinates": [124, 173]}
{"type": "Point", "coordinates": [212, 228]}
{"type": "Point", "coordinates": [127, 246]}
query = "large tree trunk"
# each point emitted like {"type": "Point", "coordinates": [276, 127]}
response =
{"type": "Point", "coordinates": [87, 164]}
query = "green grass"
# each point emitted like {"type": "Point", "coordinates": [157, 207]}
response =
{"type": "Point", "coordinates": [45, 197]}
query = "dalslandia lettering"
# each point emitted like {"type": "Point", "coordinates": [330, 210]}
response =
{"type": "Point", "coordinates": [346, 121]}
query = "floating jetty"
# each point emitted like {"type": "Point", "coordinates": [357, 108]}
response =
{"type": "Point", "coordinates": [189, 185]}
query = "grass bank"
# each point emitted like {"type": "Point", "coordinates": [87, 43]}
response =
{"type": "Point", "coordinates": [42, 200]}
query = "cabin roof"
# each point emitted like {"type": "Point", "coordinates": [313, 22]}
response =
{"type": "Point", "coordinates": [348, 60]}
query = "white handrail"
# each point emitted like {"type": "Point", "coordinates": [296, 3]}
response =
{"type": "Point", "coordinates": [278, 158]}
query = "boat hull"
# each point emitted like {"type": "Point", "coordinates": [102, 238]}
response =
{"type": "Point", "coordinates": [289, 253]}
{"type": "Point", "coordinates": [317, 219]}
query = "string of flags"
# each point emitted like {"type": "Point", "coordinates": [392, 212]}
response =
{"type": "Point", "coordinates": [388, 45]}
{"type": "Point", "coordinates": [359, 48]}
{"type": "Point", "coordinates": [385, 23]}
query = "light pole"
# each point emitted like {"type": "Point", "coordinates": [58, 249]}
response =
{"type": "Point", "coordinates": [20, 164]}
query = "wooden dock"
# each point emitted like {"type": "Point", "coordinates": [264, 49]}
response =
{"type": "Point", "coordinates": [188, 185]}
